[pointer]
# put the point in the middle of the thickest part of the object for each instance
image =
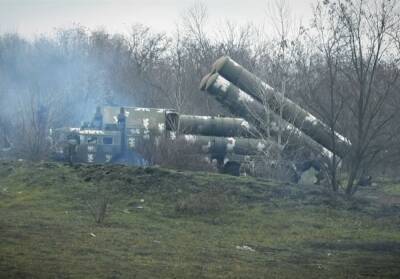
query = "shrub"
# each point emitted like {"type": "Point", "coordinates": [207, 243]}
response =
{"type": "Point", "coordinates": [208, 202]}
{"type": "Point", "coordinates": [98, 209]}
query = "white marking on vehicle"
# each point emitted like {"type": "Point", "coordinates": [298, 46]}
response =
{"type": "Point", "coordinates": [221, 84]}
{"type": "Point", "coordinates": [231, 144]}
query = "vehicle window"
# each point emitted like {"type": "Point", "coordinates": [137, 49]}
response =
{"type": "Point", "coordinates": [107, 140]}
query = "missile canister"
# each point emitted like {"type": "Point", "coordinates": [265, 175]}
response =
{"type": "Point", "coordinates": [209, 125]}
{"type": "Point", "coordinates": [243, 105]}
{"type": "Point", "coordinates": [226, 145]}
{"type": "Point", "coordinates": [291, 112]}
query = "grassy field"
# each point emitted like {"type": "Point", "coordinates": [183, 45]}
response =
{"type": "Point", "coordinates": [169, 224]}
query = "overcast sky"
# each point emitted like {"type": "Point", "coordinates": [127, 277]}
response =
{"type": "Point", "coordinates": [31, 17]}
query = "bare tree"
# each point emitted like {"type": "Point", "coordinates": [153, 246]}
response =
{"type": "Point", "coordinates": [148, 51]}
{"type": "Point", "coordinates": [354, 42]}
{"type": "Point", "coordinates": [279, 71]}
{"type": "Point", "coordinates": [367, 25]}
{"type": "Point", "coordinates": [326, 96]}
{"type": "Point", "coordinates": [194, 22]}
{"type": "Point", "coordinates": [178, 63]}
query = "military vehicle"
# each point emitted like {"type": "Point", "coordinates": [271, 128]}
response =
{"type": "Point", "coordinates": [110, 135]}
{"type": "Point", "coordinates": [267, 119]}
{"type": "Point", "coordinates": [119, 135]}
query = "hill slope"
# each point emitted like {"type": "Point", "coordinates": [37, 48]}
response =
{"type": "Point", "coordinates": [168, 224]}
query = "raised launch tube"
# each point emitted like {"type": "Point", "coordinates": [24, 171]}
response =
{"type": "Point", "coordinates": [291, 112]}
{"type": "Point", "coordinates": [242, 104]}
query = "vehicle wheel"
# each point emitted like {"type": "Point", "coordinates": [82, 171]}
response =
{"type": "Point", "coordinates": [232, 168]}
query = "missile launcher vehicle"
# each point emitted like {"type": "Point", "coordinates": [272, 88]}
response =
{"type": "Point", "coordinates": [118, 135]}
{"type": "Point", "coordinates": [264, 120]}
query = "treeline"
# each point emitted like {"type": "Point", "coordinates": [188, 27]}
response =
{"type": "Point", "coordinates": [343, 67]}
